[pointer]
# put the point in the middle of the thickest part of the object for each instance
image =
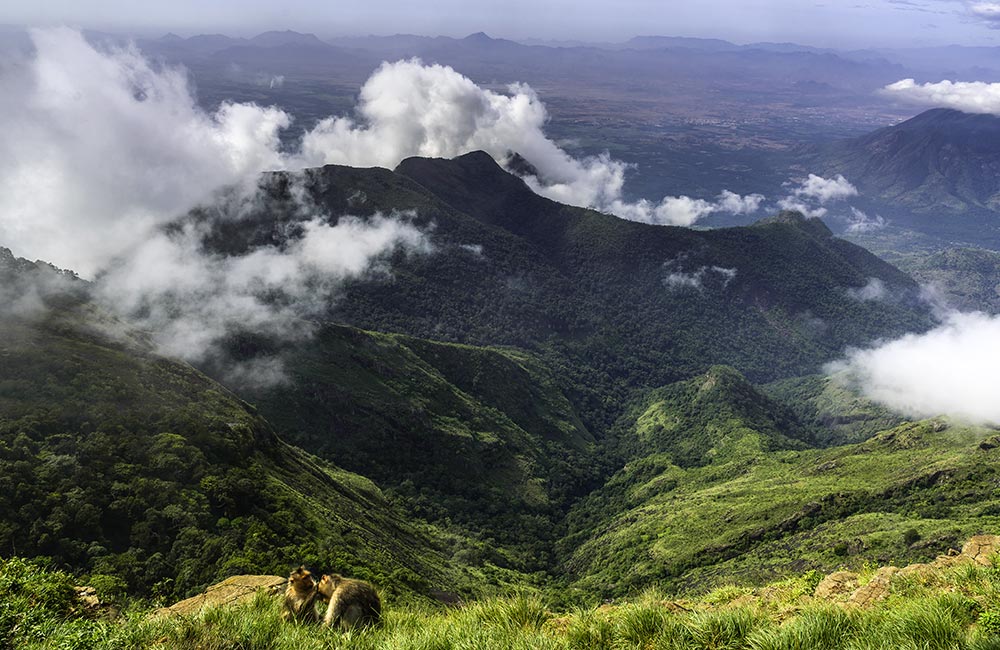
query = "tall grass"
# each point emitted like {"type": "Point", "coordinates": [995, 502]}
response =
{"type": "Point", "coordinates": [957, 610]}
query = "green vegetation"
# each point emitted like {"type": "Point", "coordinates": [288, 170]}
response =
{"type": "Point", "coordinates": [591, 294]}
{"type": "Point", "coordinates": [968, 278]}
{"type": "Point", "coordinates": [481, 440]}
{"type": "Point", "coordinates": [556, 400]}
{"type": "Point", "coordinates": [755, 504]}
{"type": "Point", "coordinates": [117, 462]}
{"type": "Point", "coordinates": [948, 609]}
{"type": "Point", "coordinates": [830, 410]}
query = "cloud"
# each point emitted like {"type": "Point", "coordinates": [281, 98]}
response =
{"type": "Point", "coordinates": [966, 96]}
{"type": "Point", "coordinates": [101, 150]}
{"type": "Point", "coordinates": [798, 205]}
{"type": "Point", "coordinates": [988, 11]}
{"type": "Point", "coordinates": [105, 156]}
{"type": "Point", "coordinates": [678, 279]}
{"type": "Point", "coordinates": [948, 370]}
{"type": "Point", "coordinates": [407, 109]}
{"type": "Point", "coordinates": [191, 301]}
{"type": "Point", "coordinates": [824, 190]}
{"type": "Point", "coordinates": [809, 195]}
{"type": "Point", "coordinates": [859, 222]}
{"type": "Point", "coordinates": [873, 290]}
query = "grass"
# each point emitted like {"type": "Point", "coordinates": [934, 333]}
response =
{"type": "Point", "coordinates": [955, 608]}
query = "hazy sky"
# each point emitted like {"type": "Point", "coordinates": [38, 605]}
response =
{"type": "Point", "coordinates": [834, 23]}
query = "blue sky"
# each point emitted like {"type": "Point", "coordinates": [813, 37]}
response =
{"type": "Point", "coordinates": [828, 23]}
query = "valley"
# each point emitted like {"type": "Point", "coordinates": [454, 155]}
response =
{"type": "Point", "coordinates": [665, 342]}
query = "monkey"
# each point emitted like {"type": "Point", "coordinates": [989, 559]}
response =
{"type": "Point", "coordinates": [300, 597]}
{"type": "Point", "coordinates": [353, 603]}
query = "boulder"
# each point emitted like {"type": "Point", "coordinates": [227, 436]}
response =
{"type": "Point", "coordinates": [877, 588]}
{"type": "Point", "coordinates": [837, 586]}
{"type": "Point", "coordinates": [981, 548]}
{"type": "Point", "coordinates": [230, 591]}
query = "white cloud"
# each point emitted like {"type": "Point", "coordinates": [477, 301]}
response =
{"type": "Point", "coordinates": [408, 109]}
{"type": "Point", "coordinates": [948, 370]}
{"type": "Point", "coordinates": [989, 11]}
{"type": "Point", "coordinates": [696, 279]}
{"type": "Point", "coordinates": [825, 190]}
{"type": "Point", "coordinates": [967, 96]}
{"type": "Point", "coordinates": [798, 205]}
{"type": "Point", "coordinates": [101, 149]}
{"type": "Point", "coordinates": [860, 222]}
{"type": "Point", "coordinates": [190, 301]}
{"type": "Point", "coordinates": [98, 149]}
{"type": "Point", "coordinates": [873, 290]}
{"type": "Point", "coordinates": [809, 195]}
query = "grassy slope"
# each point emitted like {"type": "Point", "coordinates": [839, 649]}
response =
{"type": "Point", "coordinates": [116, 461]}
{"type": "Point", "coordinates": [956, 608]}
{"type": "Point", "coordinates": [833, 413]}
{"type": "Point", "coordinates": [480, 437]}
{"type": "Point", "coordinates": [751, 515]}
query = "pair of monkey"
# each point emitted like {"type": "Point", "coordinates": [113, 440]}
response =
{"type": "Point", "coordinates": [352, 603]}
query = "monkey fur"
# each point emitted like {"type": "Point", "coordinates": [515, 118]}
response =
{"type": "Point", "coordinates": [353, 603]}
{"type": "Point", "coordinates": [300, 597]}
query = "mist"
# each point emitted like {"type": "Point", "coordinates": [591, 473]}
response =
{"type": "Point", "coordinates": [103, 149]}
{"type": "Point", "coordinates": [949, 370]}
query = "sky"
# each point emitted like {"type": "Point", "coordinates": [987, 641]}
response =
{"type": "Point", "coordinates": [824, 23]}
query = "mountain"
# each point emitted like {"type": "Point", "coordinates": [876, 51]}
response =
{"type": "Point", "coordinates": [936, 172]}
{"type": "Point", "coordinates": [116, 461]}
{"type": "Point", "coordinates": [663, 42]}
{"type": "Point", "coordinates": [609, 305]}
{"type": "Point", "coordinates": [480, 384]}
{"type": "Point", "coordinates": [287, 37]}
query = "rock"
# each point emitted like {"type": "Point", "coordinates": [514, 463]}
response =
{"type": "Point", "coordinates": [981, 548]}
{"type": "Point", "coordinates": [837, 584]}
{"type": "Point", "coordinates": [877, 588]}
{"type": "Point", "coordinates": [230, 591]}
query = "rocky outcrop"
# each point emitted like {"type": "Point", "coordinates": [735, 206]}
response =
{"type": "Point", "coordinates": [876, 589]}
{"type": "Point", "coordinates": [981, 549]}
{"type": "Point", "coordinates": [837, 586]}
{"type": "Point", "coordinates": [230, 591]}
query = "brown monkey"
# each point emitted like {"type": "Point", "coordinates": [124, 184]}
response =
{"type": "Point", "coordinates": [300, 598]}
{"type": "Point", "coordinates": [353, 603]}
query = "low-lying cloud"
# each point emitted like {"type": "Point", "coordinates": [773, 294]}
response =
{"type": "Point", "coordinates": [102, 149]}
{"type": "Point", "coordinates": [873, 290]}
{"type": "Point", "coordinates": [966, 96]}
{"type": "Point", "coordinates": [858, 222]}
{"type": "Point", "coordinates": [810, 195]}
{"type": "Point", "coordinates": [949, 370]}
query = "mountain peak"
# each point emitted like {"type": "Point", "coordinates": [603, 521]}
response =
{"type": "Point", "coordinates": [812, 225]}
{"type": "Point", "coordinates": [478, 37]}
{"type": "Point", "coordinates": [286, 37]}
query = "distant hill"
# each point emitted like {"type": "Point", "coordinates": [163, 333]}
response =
{"type": "Point", "coordinates": [968, 278]}
{"type": "Point", "coordinates": [287, 37]}
{"type": "Point", "coordinates": [937, 172]}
